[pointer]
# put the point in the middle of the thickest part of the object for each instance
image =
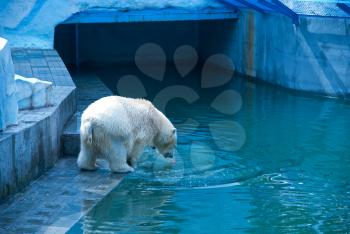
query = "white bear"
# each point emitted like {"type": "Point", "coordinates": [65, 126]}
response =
{"type": "Point", "coordinates": [118, 129]}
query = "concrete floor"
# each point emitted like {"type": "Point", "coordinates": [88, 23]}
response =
{"type": "Point", "coordinates": [58, 199]}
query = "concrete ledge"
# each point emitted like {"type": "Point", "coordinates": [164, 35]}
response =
{"type": "Point", "coordinates": [58, 199]}
{"type": "Point", "coordinates": [108, 15]}
{"type": "Point", "coordinates": [71, 136]}
{"type": "Point", "coordinates": [33, 146]}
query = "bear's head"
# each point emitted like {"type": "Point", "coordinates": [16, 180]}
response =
{"type": "Point", "coordinates": [166, 138]}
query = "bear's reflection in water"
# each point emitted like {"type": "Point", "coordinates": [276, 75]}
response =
{"type": "Point", "coordinates": [133, 209]}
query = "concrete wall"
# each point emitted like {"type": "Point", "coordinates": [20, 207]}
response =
{"type": "Point", "coordinates": [34, 145]}
{"type": "Point", "coordinates": [117, 43]}
{"type": "Point", "coordinates": [8, 101]}
{"type": "Point", "coordinates": [313, 56]}
{"type": "Point", "coordinates": [31, 147]}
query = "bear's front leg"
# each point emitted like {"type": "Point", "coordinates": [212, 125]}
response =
{"type": "Point", "coordinates": [134, 154]}
{"type": "Point", "coordinates": [117, 157]}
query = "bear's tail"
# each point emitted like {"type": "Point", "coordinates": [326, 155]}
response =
{"type": "Point", "coordinates": [86, 131]}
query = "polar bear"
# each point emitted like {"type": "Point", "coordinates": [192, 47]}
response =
{"type": "Point", "coordinates": [118, 129]}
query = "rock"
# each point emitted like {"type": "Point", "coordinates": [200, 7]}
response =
{"type": "Point", "coordinates": [8, 101]}
{"type": "Point", "coordinates": [32, 92]}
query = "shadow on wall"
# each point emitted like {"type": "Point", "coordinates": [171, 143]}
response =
{"type": "Point", "coordinates": [331, 47]}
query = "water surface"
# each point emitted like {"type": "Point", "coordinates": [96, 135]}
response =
{"type": "Point", "coordinates": [279, 161]}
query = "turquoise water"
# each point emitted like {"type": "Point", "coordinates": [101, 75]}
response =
{"type": "Point", "coordinates": [276, 161]}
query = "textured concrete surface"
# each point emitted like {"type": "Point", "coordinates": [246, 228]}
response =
{"type": "Point", "coordinates": [33, 146]}
{"type": "Point", "coordinates": [42, 64]}
{"type": "Point", "coordinates": [89, 89]}
{"type": "Point", "coordinates": [58, 199]}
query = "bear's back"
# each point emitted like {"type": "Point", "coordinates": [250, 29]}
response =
{"type": "Point", "coordinates": [119, 114]}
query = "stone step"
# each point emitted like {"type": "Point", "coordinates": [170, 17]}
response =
{"type": "Point", "coordinates": [71, 136]}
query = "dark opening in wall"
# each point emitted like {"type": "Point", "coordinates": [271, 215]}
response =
{"type": "Point", "coordinates": [112, 43]}
{"type": "Point", "coordinates": [106, 52]}
{"type": "Point", "coordinates": [117, 43]}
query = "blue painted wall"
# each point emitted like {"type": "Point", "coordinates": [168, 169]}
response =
{"type": "Point", "coordinates": [312, 56]}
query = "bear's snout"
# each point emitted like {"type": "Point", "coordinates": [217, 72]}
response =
{"type": "Point", "coordinates": [169, 155]}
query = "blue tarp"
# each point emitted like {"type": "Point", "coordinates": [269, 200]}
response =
{"type": "Point", "coordinates": [296, 8]}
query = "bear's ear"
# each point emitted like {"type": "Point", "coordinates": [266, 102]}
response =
{"type": "Point", "coordinates": [174, 131]}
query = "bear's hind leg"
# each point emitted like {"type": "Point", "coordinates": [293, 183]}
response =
{"type": "Point", "coordinates": [87, 158]}
{"type": "Point", "coordinates": [116, 156]}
